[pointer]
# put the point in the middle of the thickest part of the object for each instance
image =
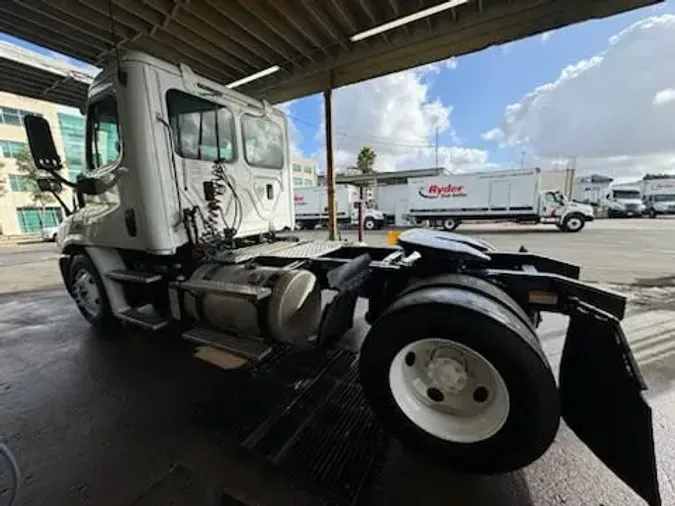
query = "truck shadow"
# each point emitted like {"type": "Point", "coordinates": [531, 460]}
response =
{"type": "Point", "coordinates": [406, 478]}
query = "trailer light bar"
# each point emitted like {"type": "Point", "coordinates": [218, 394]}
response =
{"type": "Point", "coordinates": [407, 19]}
{"type": "Point", "coordinates": [253, 77]}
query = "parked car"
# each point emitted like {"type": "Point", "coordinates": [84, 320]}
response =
{"type": "Point", "coordinates": [49, 234]}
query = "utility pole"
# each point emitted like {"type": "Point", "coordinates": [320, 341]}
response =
{"type": "Point", "coordinates": [522, 159]}
{"type": "Point", "coordinates": [330, 173]}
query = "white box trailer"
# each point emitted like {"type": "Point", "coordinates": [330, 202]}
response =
{"type": "Point", "coordinates": [659, 197]}
{"type": "Point", "coordinates": [311, 207]}
{"type": "Point", "coordinates": [392, 201]}
{"type": "Point", "coordinates": [512, 195]}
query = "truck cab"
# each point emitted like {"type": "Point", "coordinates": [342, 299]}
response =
{"type": "Point", "coordinates": [568, 215]}
{"type": "Point", "coordinates": [623, 202]}
{"type": "Point", "coordinates": [659, 197]}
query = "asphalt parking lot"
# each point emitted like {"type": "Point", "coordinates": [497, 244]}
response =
{"type": "Point", "coordinates": [97, 421]}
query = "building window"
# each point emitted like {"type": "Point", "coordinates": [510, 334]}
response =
{"type": "Point", "coordinates": [103, 142]}
{"type": "Point", "coordinates": [202, 130]}
{"type": "Point", "coordinates": [297, 168]}
{"type": "Point", "coordinates": [263, 142]}
{"type": "Point", "coordinates": [298, 181]}
{"type": "Point", "coordinates": [19, 183]}
{"type": "Point", "coordinates": [11, 149]}
{"type": "Point", "coordinates": [9, 116]}
{"type": "Point", "coordinates": [309, 170]}
{"type": "Point", "coordinates": [32, 220]}
{"type": "Point", "coordinates": [72, 133]}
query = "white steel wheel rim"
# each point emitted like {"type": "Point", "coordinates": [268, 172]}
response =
{"type": "Point", "coordinates": [86, 294]}
{"type": "Point", "coordinates": [574, 223]}
{"type": "Point", "coordinates": [369, 224]}
{"type": "Point", "coordinates": [449, 224]}
{"type": "Point", "coordinates": [475, 401]}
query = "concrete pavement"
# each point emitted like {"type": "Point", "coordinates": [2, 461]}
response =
{"type": "Point", "coordinates": [96, 421]}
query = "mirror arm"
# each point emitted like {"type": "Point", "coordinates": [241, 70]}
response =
{"type": "Point", "coordinates": [67, 210]}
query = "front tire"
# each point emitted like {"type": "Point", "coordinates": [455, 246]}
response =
{"type": "Point", "coordinates": [369, 224]}
{"type": "Point", "coordinates": [86, 288]}
{"type": "Point", "coordinates": [573, 223]}
{"type": "Point", "coordinates": [476, 396]}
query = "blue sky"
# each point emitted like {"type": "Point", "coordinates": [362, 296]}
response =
{"type": "Point", "coordinates": [484, 83]}
{"type": "Point", "coordinates": [478, 90]}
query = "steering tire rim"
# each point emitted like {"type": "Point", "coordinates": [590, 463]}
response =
{"type": "Point", "coordinates": [449, 390]}
{"type": "Point", "coordinates": [86, 293]}
{"type": "Point", "coordinates": [369, 224]}
{"type": "Point", "coordinates": [574, 223]}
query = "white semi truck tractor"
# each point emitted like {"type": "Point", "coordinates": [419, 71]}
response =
{"type": "Point", "coordinates": [186, 187]}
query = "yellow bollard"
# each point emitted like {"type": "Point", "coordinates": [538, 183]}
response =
{"type": "Point", "coordinates": [392, 237]}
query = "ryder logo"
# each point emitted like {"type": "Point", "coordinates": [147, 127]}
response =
{"type": "Point", "coordinates": [298, 199]}
{"type": "Point", "coordinates": [435, 191]}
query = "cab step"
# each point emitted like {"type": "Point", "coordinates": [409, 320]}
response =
{"type": "Point", "coordinates": [144, 317]}
{"type": "Point", "coordinates": [249, 348]}
{"type": "Point", "coordinates": [255, 293]}
{"type": "Point", "coordinates": [144, 278]}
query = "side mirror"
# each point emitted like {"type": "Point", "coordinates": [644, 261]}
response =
{"type": "Point", "coordinates": [41, 144]}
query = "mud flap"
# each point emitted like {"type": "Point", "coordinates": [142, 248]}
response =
{"type": "Point", "coordinates": [601, 399]}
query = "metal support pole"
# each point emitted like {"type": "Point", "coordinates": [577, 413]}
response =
{"type": "Point", "coordinates": [361, 202]}
{"type": "Point", "coordinates": [330, 173]}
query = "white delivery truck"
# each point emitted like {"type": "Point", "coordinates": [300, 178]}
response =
{"type": "Point", "coordinates": [512, 195]}
{"type": "Point", "coordinates": [311, 207]}
{"type": "Point", "coordinates": [623, 201]}
{"type": "Point", "coordinates": [392, 201]}
{"type": "Point", "coordinates": [658, 196]}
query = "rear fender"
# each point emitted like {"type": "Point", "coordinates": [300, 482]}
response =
{"type": "Point", "coordinates": [601, 399]}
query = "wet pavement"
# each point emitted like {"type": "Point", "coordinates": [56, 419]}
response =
{"type": "Point", "coordinates": [97, 421]}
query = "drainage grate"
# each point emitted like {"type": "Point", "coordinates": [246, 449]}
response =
{"type": "Point", "coordinates": [305, 412]}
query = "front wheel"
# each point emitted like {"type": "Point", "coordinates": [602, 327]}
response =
{"type": "Point", "coordinates": [573, 223]}
{"type": "Point", "coordinates": [89, 293]}
{"type": "Point", "coordinates": [475, 396]}
{"type": "Point", "coordinates": [652, 213]}
{"type": "Point", "coordinates": [369, 224]}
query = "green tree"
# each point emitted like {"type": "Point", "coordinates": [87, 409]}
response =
{"type": "Point", "coordinates": [365, 161]}
{"type": "Point", "coordinates": [26, 167]}
{"type": "Point", "coordinates": [650, 177]}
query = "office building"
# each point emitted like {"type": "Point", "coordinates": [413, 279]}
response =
{"type": "Point", "coordinates": [304, 171]}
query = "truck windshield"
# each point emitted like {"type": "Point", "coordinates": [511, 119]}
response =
{"type": "Point", "coordinates": [663, 198]}
{"type": "Point", "coordinates": [626, 194]}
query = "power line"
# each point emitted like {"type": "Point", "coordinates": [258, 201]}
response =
{"type": "Point", "coordinates": [372, 139]}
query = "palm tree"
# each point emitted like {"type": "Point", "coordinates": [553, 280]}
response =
{"type": "Point", "coordinates": [366, 160]}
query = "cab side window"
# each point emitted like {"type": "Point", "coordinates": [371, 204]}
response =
{"type": "Point", "coordinates": [104, 143]}
{"type": "Point", "coordinates": [202, 130]}
{"type": "Point", "coordinates": [263, 142]}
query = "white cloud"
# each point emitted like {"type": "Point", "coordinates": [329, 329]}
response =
{"type": "Point", "coordinates": [86, 67]}
{"type": "Point", "coordinates": [452, 63]}
{"type": "Point", "coordinates": [603, 107]}
{"type": "Point", "coordinates": [664, 96]}
{"type": "Point", "coordinates": [545, 36]}
{"type": "Point", "coordinates": [395, 116]}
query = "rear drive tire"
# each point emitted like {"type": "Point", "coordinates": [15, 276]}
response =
{"type": "Point", "coordinates": [450, 224]}
{"type": "Point", "coordinates": [573, 223]}
{"type": "Point", "coordinates": [89, 293]}
{"type": "Point", "coordinates": [477, 395]}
